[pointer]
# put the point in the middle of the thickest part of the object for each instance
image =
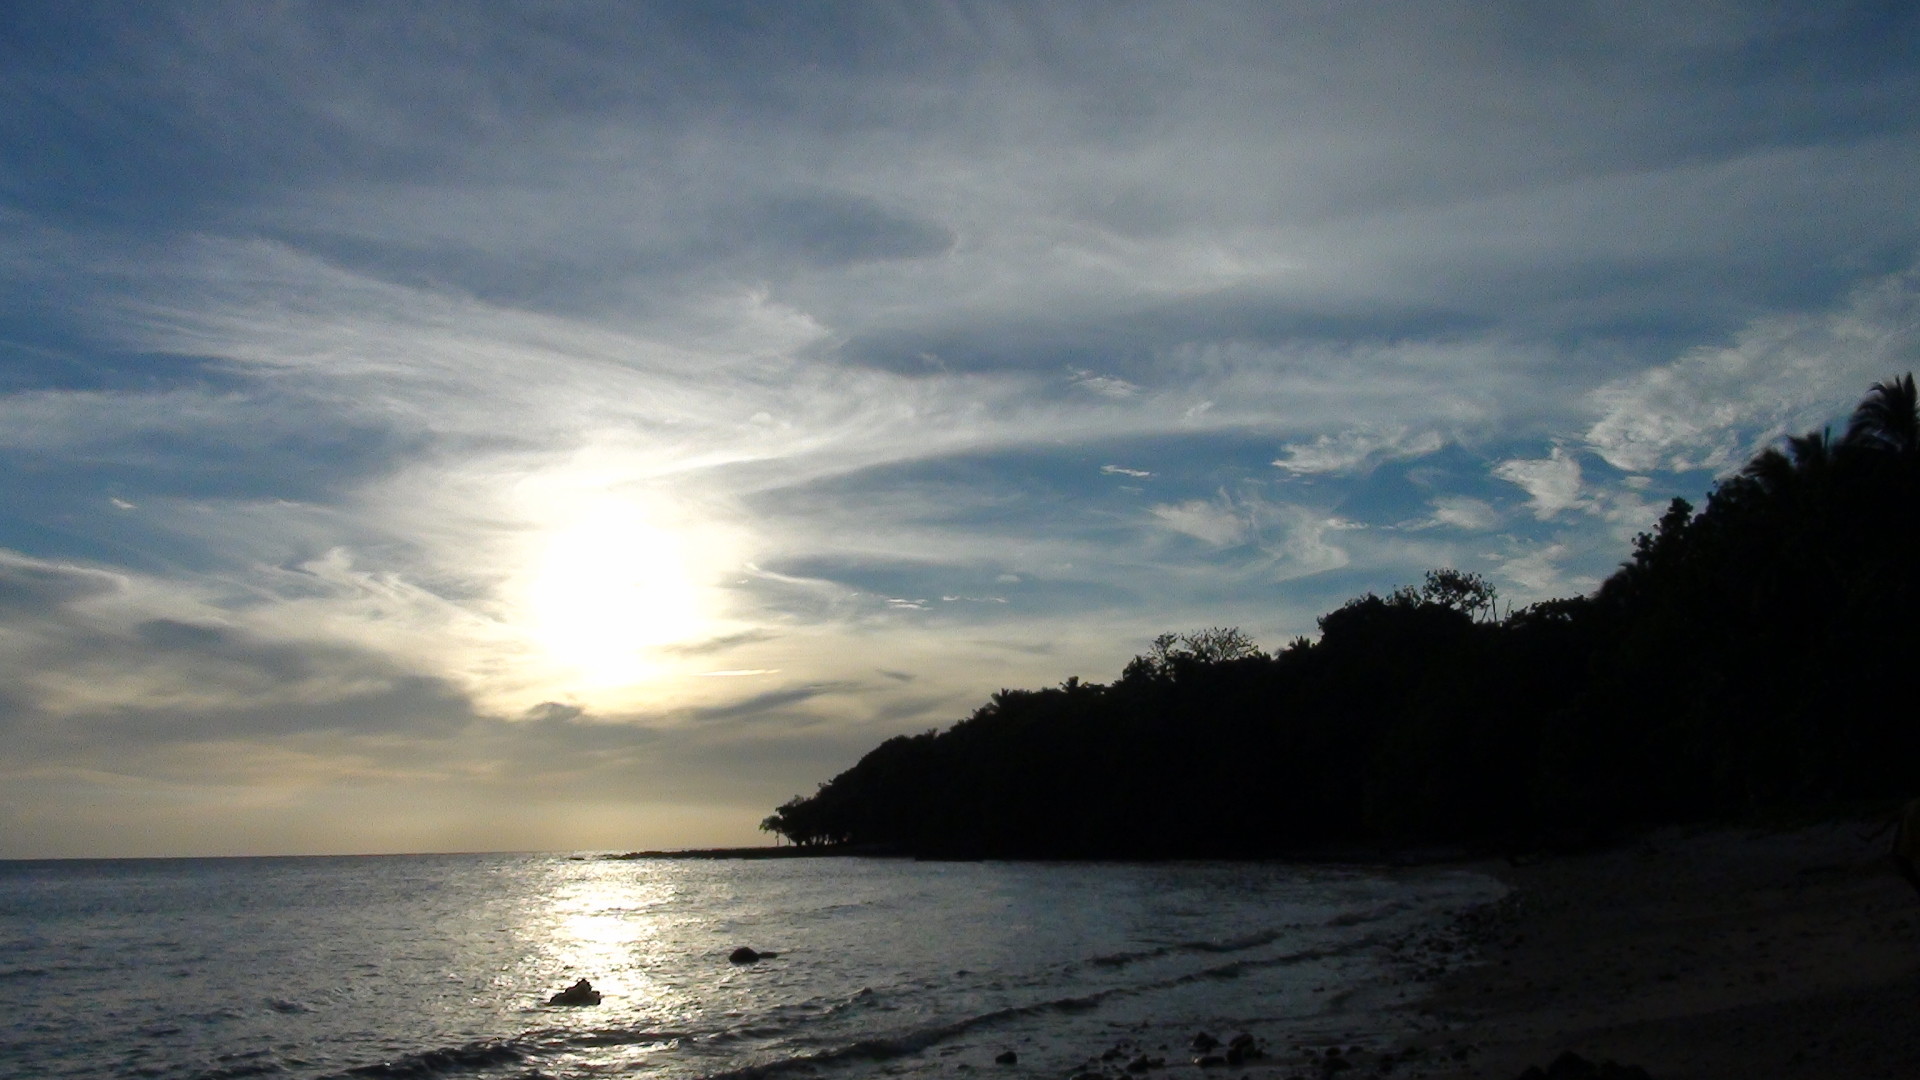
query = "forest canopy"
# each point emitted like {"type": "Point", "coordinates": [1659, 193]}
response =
{"type": "Point", "coordinates": [1748, 659]}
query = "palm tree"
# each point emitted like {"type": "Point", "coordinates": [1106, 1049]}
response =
{"type": "Point", "coordinates": [1812, 453]}
{"type": "Point", "coordinates": [1771, 471]}
{"type": "Point", "coordinates": [1888, 419]}
{"type": "Point", "coordinates": [1801, 469]}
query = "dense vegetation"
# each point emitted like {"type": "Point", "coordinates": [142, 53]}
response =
{"type": "Point", "coordinates": [1747, 659]}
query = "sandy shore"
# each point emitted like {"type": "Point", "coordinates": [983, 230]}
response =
{"type": "Point", "coordinates": [1695, 955]}
{"type": "Point", "coordinates": [1691, 955]}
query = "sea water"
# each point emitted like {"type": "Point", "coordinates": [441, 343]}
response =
{"type": "Point", "coordinates": [442, 965]}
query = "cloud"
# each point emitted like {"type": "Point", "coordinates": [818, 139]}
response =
{"type": "Point", "coordinates": [1351, 450]}
{"type": "Point", "coordinates": [422, 356]}
{"type": "Point", "coordinates": [1537, 572]}
{"type": "Point", "coordinates": [1715, 406]}
{"type": "Point", "coordinates": [768, 706]}
{"type": "Point", "coordinates": [1464, 512]}
{"type": "Point", "coordinates": [1552, 483]}
{"type": "Point", "coordinates": [834, 228]}
{"type": "Point", "coordinates": [138, 659]}
{"type": "Point", "coordinates": [1307, 544]}
{"type": "Point", "coordinates": [555, 712]}
{"type": "Point", "coordinates": [1105, 386]}
{"type": "Point", "coordinates": [36, 587]}
{"type": "Point", "coordinates": [1218, 523]}
{"type": "Point", "coordinates": [723, 643]}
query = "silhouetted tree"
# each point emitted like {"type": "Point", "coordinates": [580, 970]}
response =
{"type": "Point", "coordinates": [1461, 590]}
{"type": "Point", "coordinates": [1172, 652]}
{"type": "Point", "coordinates": [1887, 419]}
{"type": "Point", "coordinates": [1734, 664]}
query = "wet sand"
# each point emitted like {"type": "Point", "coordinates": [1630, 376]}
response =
{"type": "Point", "coordinates": [1696, 955]}
{"type": "Point", "coordinates": [1692, 955]}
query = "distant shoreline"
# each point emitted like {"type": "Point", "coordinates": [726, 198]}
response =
{"type": "Point", "coordinates": [1389, 858]}
{"type": "Point", "coordinates": [784, 851]}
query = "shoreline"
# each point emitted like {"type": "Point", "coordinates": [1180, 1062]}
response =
{"type": "Point", "coordinates": [1695, 954]}
{"type": "Point", "coordinates": [1691, 954]}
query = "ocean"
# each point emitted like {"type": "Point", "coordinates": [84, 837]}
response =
{"type": "Point", "coordinates": [442, 965]}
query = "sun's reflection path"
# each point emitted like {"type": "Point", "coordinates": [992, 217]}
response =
{"type": "Point", "coordinates": [617, 924]}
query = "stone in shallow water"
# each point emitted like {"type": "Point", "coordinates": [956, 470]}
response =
{"type": "Point", "coordinates": [580, 993]}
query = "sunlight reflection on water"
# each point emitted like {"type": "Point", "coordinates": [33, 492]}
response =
{"type": "Point", "coordinates": [309, 968]}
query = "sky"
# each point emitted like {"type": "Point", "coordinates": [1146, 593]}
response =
{"type": "Point", "coordinates": [584, 426]}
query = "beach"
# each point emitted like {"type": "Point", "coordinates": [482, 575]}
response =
{"type": "Point", "coordinates": [1694, 954]}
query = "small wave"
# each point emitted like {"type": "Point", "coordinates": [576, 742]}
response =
{"type": "Point", "coordinates": [238, 1065]}
{"type": "Point", "coordinates": [911, 1042]}
{"type": "Point", "coordinates": [904, 1043]}
{"type": "Point", "coordinates": [620, 1037]}
{"type": "Point", "coordinates": [240, 1071]}
{"type": "Point", "coordinates": [446, 1061]}
{"type": "Point", "coordinates": [861, 999]}
{"type": "Point", "coordinates": [827, 911]}
{"type": "Point", "coordinates": [1122, 959]}
{"type": "Point", "coordinates": [1356, 918]}
{"type": "Point", "coordinates": [1239, 944]}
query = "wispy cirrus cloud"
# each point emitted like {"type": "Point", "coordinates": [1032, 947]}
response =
{"type": "Point", "coordinates": [1553, 483]}
{"type": "Point", "coordinates": [544, 377]}
{"type": "Point", "coordinates": [1716, 405]}
{"type": "Point", "coordinates": [1215, 522]}
{"type": "Point", "coordinates": [1463, 512]}
{"type": "Point", "coordinates": [1356, 449]}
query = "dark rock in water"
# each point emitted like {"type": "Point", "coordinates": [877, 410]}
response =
{"type": "Point", "coordinates": [1210, 1061]}
{"type": "Point", "coordinates": [580, 993]}
{"type": "Point", "coordinates": [1007, 1057]}
{"type": "Point", "coordinates": [1204, 1041]}
{"type": "Point", "coordinates": [1144, 1063]}
{"type": "Point", "coordinates": [744, 955]}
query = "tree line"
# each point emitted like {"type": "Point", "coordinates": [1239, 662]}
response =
{"type": "Point", "coordinates": [1748, 659]}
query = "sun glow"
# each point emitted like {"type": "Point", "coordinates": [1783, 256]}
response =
{"type": "Point", "coordinates": [609, 588]}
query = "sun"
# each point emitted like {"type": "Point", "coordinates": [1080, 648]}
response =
{"type": "Point", "coordinates": [608, 588]}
